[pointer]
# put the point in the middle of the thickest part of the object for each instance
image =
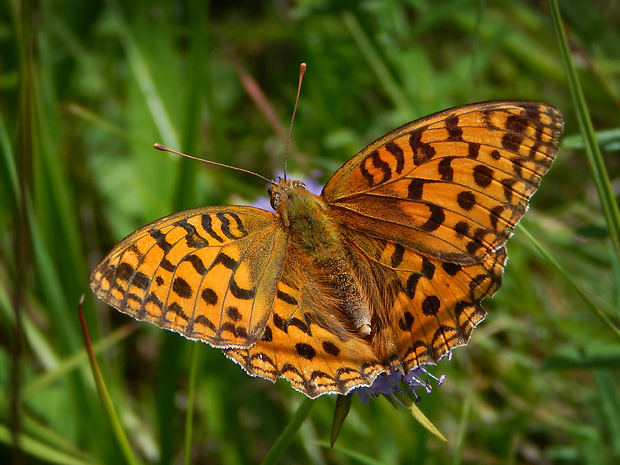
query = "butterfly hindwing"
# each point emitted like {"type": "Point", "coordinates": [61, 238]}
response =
{"type": "Point", "coordinates": [305, 342]}
{"type": "Point", "coordinates": [451, 185]}
{"type": "Point", "coordinates": [423, 306]}
{"type": "Point", "coordinates": [208, 273]}
{"type": "Point", "coordinates": [440, 306]}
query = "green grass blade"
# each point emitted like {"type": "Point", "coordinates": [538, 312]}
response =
{"type": "Point", "coordinates": [595, 159]}
{"type": "Point", "coordinates": [184, 194]}
{"type": "Point", "coordinates": [36, 448]}
{"type": "Point", "coordinates": [104, 395]}
{"type": "Point", "coordinates": [146, 82]}
{"type": "Point", "coordinates": [409, 402]}
{"type": "Point", "coordinates": [75, 361]}
{"type": "Point", "coordinates": [462, 433]}
{"type": "Point", "coordinates": [341, 411]}
{"type": "Point", "coordinates": [374, 59]}
{"type": "Point", "coordinates": [355, 455]}
{"type": "Point", "coordinates": [289, 432]}
{"type": "Point", "coordinates": [610, 403]}
{"type": "Point", "coordinates": [191, 400]}
{"type": "Point", "coordinates": [586, 298]}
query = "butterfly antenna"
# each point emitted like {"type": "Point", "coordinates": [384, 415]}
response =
{"type": "Point", "coordinates": [163, 148]}
{"type": "Point", "coordinates": [302, 71]}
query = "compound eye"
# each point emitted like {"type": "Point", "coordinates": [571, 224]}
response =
{"type": "Point", "coordinates": [274, 197]}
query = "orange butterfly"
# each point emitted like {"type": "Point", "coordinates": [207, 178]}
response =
{"type": "Point", "coordinates": [384, 271]}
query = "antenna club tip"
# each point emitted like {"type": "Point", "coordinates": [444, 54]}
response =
{"type": "Point", "coordinates": [302, 69]}
{"type": "Point", "coordinates": [159, 146]}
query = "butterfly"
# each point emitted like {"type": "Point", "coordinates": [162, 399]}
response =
{"type": "Point", "coordinates": [384, 271]}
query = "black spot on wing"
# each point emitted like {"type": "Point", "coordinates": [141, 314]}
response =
{"type": "Point", "coordinates": [416, 189]}
{"type": "Point", "coordinates": [422, 152]}
{"type": "Point", "coordinates": [397, 256]}
{"type": "Point", "coordinates": [512, 141]}
{"type": "Point", "coordinates": [240, 293]}
{"type": "Point", "coordinates": [181, 288]}
{"type": "Point", "coordinates": [305, 350]}
{"type": "Point", "coordinates": [226, 260]}
{"type": "Point", "coordinates": [406, 321]}
{"type": "Point", "coordinates": [192, 238]}
{"type": "Point", "coordinates": [204, 321]}
{"type": "Point", "coordinates": [160, 240]}
{"type": "Point", "coordinates": [167, 265]}
{"type": "Point", "coordinates": [398, 155]}
{"type": "Point", "coordinates": [124, 271]}
{"type": "Point", "coordinates": [445, 169]}
{"type": "Point", "coordinates": [207, 225]}
{"type": "Point", "coordinates": [177, 310]}
{"type": "Point", "coordinates": [376, 165]}
{"type": "Point", "coordinates": [451, 268]}
{"type": "Point", "coordinates": [267, 335]}
{"type": "Point", "coordinates": [299, 324]}
{"type": "Point", "coordinates": [331, 348]}
{"type": "Point", "coordinates": [279, 323]}
{"type": "Point", "coordinates": [226, 225]}
{"type": "Point", "coordinates": [412, 283]}
{"type": "Point", "coordinates": [455, 132]}
{"type": "Point", "coordinates": [428, 269]}
{"type": "Point", "coordinates": [140, 280]}
{"type": "Point", "coordinates": [197, 263]}
{"type": "Point", "coordinates": [289, 299]}
{"type": "Point", "coordinates": [436, 219]}
{"type": "Point", "coordinates": [466, 200]}
{"type": "Point", "coordinates": [430, 305]}
{"type": "Point", "coordinates": [233, 313]}
{"type": "Point", "coordinates": [236, 331]}
{"type": "Point", "coordinates": [473, 150]}
{"type": "Point", "coordinates": [209, 296]}
{"type": "Point", "coordinates": [483, 175]}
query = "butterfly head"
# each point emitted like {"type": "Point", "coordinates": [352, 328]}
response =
{"type": "Point", "coordinates": [284, 192]}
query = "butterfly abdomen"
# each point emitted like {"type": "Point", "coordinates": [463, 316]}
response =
{"type": "Point", "coordinates": [317, 236]}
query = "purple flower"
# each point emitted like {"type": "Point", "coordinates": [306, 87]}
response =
{"type": "Point", "coordinates": [390, 383]}
{"type": "Point", "coordinates": [262, 202]}
{"type": "Point", "coordinates": [312, 183]}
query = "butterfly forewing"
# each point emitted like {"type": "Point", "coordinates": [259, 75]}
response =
{"type": "Point", "coordinates": [208, 273]}
{"type": "Point", "coordinates": [451, 185]}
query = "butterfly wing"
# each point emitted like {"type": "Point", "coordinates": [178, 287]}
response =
{"type": "Point", "coordinates": [208, 274]}
{"type": "Point", "coordinates": [305, 342]}
{"type": "Point", "coordinates": [426, 306]}
{"type": "Point", "coordinates": [451, 185]}
{"type": "Point", "coordinates": [228, 276]}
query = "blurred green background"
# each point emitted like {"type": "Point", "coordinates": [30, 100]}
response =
{"type": "Point", "coordinates": [86, 88]}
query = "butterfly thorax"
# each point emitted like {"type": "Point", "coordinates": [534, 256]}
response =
{"type": "Point", "coordinates": [305, 217]}
{"type": "Point", "coordinates": [316, 234]}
